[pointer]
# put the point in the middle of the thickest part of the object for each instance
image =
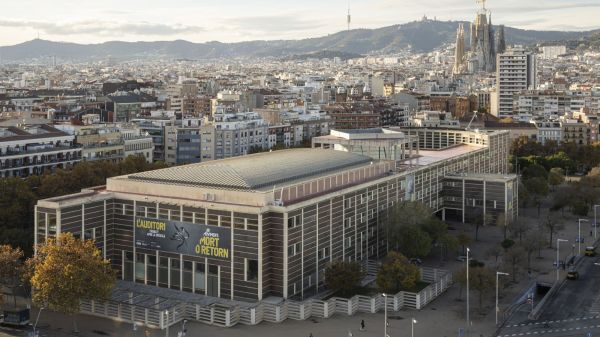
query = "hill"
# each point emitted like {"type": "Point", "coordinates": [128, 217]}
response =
{"type": "Point", "coordinates": [421, 36]}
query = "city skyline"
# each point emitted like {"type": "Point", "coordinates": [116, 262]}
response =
{"type": "Point", "coordinates": [234, 20]}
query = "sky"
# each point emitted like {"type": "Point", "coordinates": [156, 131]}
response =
{"type": "Point", "coordinates": [87, 21]}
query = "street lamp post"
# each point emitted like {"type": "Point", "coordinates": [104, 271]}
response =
{"type": "Point", "coordinates": [579, 238]}
{"type": "Point", "coordinates": [412, 327]}
{"type": "Point", "coordinates": [36, 321]}
{"type": "Point", "coordinates": [468, 311]}
{"type": "Point", "coordinates": [385, 315]}
{"type": "Point", "coordinates": [498, 273]}
{"type": "Point", "coordinates": [595, 221]}
{"type": "Point", "coordinates": [558, 241]}
{"type": "Point", "coordinates": [167, 330]}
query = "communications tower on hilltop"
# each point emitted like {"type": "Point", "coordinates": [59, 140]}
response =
{"type": "Point", "coordinates": [349, 18]}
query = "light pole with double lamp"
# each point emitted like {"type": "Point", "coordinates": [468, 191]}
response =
{"type": "Point", "coordinates": [579, 237]}
{"type": "Point", "coordinates": [498, 273]}
{"type": "Point", "coordinates": [558, 241]}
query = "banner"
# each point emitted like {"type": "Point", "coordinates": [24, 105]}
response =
{"type": "Point", "coordinates": [183, 238]}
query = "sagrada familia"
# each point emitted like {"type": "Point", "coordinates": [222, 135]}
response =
{"type": "Point", "coordinates": [485, 44]}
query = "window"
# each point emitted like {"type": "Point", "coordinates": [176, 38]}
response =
{"type": "Point", "coordinates": [175, 267]}
{"type": "Point", "coordinates": [323, 253]}
{"type": "Point", "coordinates": [151, 270]}
{"type": "Point", "coordinates": [128, 266]}
{"type": "Point", "coordinates": [199, 278]}
{"type": "Point", "coordinates": [163, 272]}
{"type": "Point", "coordinates": [140, 267]}
{"type": "Point", "coordinates": [251, 270]}
{"type": "Point", "coordinates": [295, 221]}
{"type": "Point", "coordinates": [187, 275]}
{"type": "Point", "coordinates": [348, 222]}
{"type": "Point", "coordinates": [294, 249]}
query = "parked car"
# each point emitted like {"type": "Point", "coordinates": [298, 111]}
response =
{"type": "Point", "coordinates": [590, 251]}
{"type": "Point", "coordinates": [461, 258]}
{"type": "Point", "coordinates": [572, 274]}
{"type": "Point", "coordinates": [416, 261]}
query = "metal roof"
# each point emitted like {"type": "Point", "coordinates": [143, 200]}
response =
{"type": "Point", "coordinates": [257, 171]}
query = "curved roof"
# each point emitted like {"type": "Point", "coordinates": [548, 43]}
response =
{"type": "Point", "coordinates": [258, 170]}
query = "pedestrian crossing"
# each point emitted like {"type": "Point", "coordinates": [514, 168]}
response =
{"type": "Point", "coordinates": [595, 308]}
{"type": "Point", "coordinates": [551, 322]}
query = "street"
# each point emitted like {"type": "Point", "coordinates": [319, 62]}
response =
{"type": "Point", "coordinates": [573, 311]}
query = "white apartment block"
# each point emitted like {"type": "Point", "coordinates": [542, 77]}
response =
{"type": "Point", "coordinates": [548, 131]}
{"type": "Point", "coordinates": [516, 73]}
{"type": "Point", "coordinates": [232, 134]}
{"type": "Point", "coordinates": [553, 52]}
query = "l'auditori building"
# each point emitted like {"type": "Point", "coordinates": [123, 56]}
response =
{"type": "Point", "coordinates": [267, 224]}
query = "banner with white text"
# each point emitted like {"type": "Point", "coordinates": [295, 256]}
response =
{"type": "Point", "coordinates": [183, 238]}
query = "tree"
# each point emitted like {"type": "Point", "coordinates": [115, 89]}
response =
{"type": "Point", "coordinates": [537, 187]}
{"type": "Point", "coordinates": [343, 277]}
{"type": "Point", "coordinates": [580, 208]}
{"type": "Point", "coordinates": [447, 243]}
{"type": "Point", "coordinates": [535, 171]}
{"type": "Point", "coordinates": [435, 227]}
{"type": "Point", "coordinates": [552, 226]}
{"type": "Point", "coordinates": [562, 198]}
{"type": "Point", "coordinates": [519, 228]}
{"type": "Point", "coordinates": [503, 222]}
{"type": "Point", "coordinates": [413, 242]}
{"type": "Point", "coordinates": [397, 273]}
{"type": "Point", "coordinates": [409, 213]}
{"type": "Point", "coordinates": [478, 219]}
{"type": "Point", "coordinates": [66, 271]}
{"type": "Point", "coordinates": [463, 240]}
{"type": "Point", "coordinates": [559, 160]}
{"type": "Point", "coordinates": [11, 269]}
{"type": "Point", "coordinates": [495, 251]}
{"type": "Point", "coordinates": [556, 176]}
{"type": "Point", "coordinates": [513, 258]}
{"type": "Point", "coordinates": [506, 244]}
{"type": "Point", "coordinates": [482, 280]}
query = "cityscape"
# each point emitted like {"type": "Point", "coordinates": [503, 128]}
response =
{"type": "Point", "coordinates": [320, 169]}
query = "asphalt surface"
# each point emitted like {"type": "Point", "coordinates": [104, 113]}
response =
{"type": "Point", "coordinates": [573, 311]}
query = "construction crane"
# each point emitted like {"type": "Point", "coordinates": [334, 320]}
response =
{"type": "Point", "coordinates": [468, 128]}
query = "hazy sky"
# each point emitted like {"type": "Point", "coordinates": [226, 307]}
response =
{"type": "Point", "coordinates": [87, 21]}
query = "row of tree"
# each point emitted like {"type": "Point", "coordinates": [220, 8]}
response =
{"type": "Point", "coordinates": [569, 156]}
{"type": "Point", "coordinates": [396, 274]}
{"type": "Point", "coordinates": [19, 196]}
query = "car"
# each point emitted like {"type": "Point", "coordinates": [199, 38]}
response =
{"type": "Point", "coordinates": [572, 274]}
{"type": "Point", "coordinates": [590, 251]}
{"type": "Point", "coordinates": [461, 258]}
{"type": "Point", "coordinates": [416, 261]}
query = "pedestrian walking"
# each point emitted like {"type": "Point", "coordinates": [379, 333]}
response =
{"type": "Point", "coordinates": [349, 333]}
{"type": "Point", "coordinates": [311, 335]}
{"type": "Point", "coordinates": [362, 325]}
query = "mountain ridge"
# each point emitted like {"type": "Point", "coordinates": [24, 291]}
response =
{"type": "Point", "coordinates": [421, 36]}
